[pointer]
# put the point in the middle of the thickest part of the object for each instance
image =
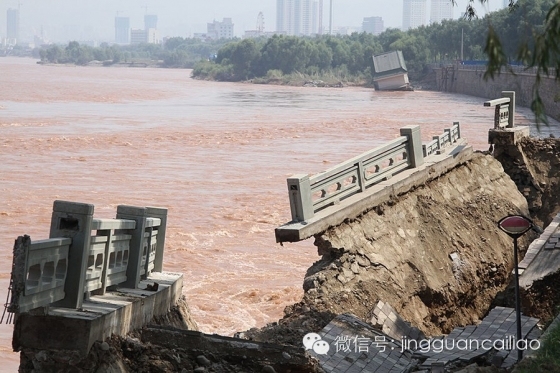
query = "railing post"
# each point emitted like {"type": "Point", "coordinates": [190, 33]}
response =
{"type": "Point", "coordinates": [73, 220]}
{"type": "Point", "coordinates": [511, 117]}
{"type": "Point", "coordinates": [137, 243]}
{"type": "Point", "coordinates": [161, 213]}
{"type": "Point", "coordinates": [458, 129]}
{"type": "Point", "coordinates": [301, 204]}
{"type": "Point", "coordinates": [415, 152]}
{"type": "Point", "coordinates": [109, 233]}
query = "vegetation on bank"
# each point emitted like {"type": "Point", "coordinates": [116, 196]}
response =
{"type": "Point", "coordinates": [177, 52]}
{"type": "Point", "coordinates": [325, 59]}
{"type": "Point", "coordinates": [547, 358]}
{"type": "Point", "coordinates": [350, 56]}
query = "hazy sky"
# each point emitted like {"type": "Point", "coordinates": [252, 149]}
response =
{"type": "Point", "coordinates": [62, 20]}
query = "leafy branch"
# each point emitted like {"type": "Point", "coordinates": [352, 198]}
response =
{"type": "Point", "coordinates": [541, 53]}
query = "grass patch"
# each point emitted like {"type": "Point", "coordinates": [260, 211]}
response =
{"type": "Point", "coordinates": [547, 358]}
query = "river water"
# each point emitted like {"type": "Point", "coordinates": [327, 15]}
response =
{"type": "Point", "coordinates": [217, 155]}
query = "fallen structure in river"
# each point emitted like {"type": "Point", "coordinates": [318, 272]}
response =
{"type": "Point", "coordinates": [390, 72]}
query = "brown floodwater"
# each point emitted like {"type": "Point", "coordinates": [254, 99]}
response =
{"type": "Point", "coordinates": [217, 155]}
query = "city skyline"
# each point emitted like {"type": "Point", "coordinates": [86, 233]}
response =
{"type": "Point", "coordinates": [414, 14]}
{"type": "Point", "coordinates": [299, 17]}
{"type": "Point", "coordinates": [64, 20]}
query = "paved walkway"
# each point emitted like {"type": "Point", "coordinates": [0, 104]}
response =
{"type": "Point", "coordinates": [355, 346]}
{"type": "Point", "coordinates": [542, 257]}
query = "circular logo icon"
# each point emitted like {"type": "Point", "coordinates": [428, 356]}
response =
{"type": "Point", "coordinates": [321, 347]}
{"type": "Point", "coordinates": [310, 339]}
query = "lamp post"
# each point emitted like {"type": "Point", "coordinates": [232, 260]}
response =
{"type": "Point", "coordinates": [516, 226]}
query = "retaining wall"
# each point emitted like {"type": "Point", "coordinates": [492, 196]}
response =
{"type": "Point", "coordinates": [470, 81]}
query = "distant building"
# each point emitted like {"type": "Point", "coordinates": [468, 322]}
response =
{"type": "Point", "coordinates": [122, 30]}
{"type": "Point", "coordinates": [373, 25]}
{"type": "Point", "coordinates": [138, 36]}
{"type": "Point", "coordinates": [149, 36]}
{"type": "Point", "coordinates": [414, 14]}
{"type": "Point", "coordinates": [299, 17]}
{"type": "Point", "coordinates": [150, 21]}
{"type": "Point", "coordinates": [12, 25]}
{"type": "Point", "coordinates": [441, 10]}
{"type": "Point", "coordinates": [220, 30]}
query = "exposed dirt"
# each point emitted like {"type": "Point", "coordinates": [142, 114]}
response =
{"type": "Point", "coordinates": [435, 254]}
{"type": "Point", "coordinates": [534, 166]}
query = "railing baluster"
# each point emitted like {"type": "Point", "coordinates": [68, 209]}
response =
{"type": "Point", "coordinates": [73, 220]}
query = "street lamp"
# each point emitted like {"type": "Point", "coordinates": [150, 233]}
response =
{"type": "Point", "coordinates": [516, 226]}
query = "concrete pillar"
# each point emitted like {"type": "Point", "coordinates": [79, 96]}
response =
{"type": "Point", "coordinates": [73, 220]}
{"type": "Point", "coordinates": [415, 152]}
{"type": "Point", "coordinates": [137, 243]}
{"type": "Point", "coordinates": [458, 129]}
{"type": "Point", "coordinates": [161, 213]}
{"type": "Point", "coordinates": [301, 203]}
{"type": "Point", "coordinates": [511, 96]}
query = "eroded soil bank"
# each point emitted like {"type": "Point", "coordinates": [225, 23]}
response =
{"type": "Point", "coordinates": [434, 254]}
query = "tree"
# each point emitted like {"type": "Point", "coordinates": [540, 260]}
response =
{"type": "Point", "coordinates": [540, 50]}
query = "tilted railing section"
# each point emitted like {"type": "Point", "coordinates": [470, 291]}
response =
{"type": "Point", "coordinates": [438, 143]}
{"type": "Point", "coordinates": [44, 264]}
{"type": "Point", "coordinates": [359, 173]}
{"type": "Point", "coordinates": [86, 255]}
{"type": "Point", "coordinates": [309, 195]}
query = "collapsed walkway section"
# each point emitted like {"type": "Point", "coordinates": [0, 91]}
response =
{"type": "Point", "coordinates": [93, 278]}
{"type": "Point", "coordinates": [355, 346]}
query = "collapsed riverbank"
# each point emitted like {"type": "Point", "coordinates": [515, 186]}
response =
{"type": "Point", "coordinates": [434, 254]}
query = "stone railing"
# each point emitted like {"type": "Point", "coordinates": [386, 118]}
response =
{"type": "Point", "coordinates": [308, 195]}
{"type": "Point", "coordinates": [86, 255]}
{"type": "Point", "coordinates": [449, 136]}
{"type": "Point", "coordinates": [504, 112]}
{"type": "Point", "coordinates": [45, 264]}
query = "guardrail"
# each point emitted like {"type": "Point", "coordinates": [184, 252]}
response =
{"type": "Point", "coordinates": [42, 272]}
{"type": "Point", "coordinates": [516, 69]}
{"type": "Point", "coordinates": [86, 255]}
{"type": "Point", "coordinates": [449, 136]}
{"type": "Point", "coordinates": [504, 113]}
{"type": "Point", "coordinates": [308, 195]}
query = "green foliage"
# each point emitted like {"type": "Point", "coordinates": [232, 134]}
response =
{"type": "Point", "coordinates": [177, 52]}
{"type": "Point", "coordinates": [350, 57]}
{"type": "Point", "coordinates": [528, 32]}
{"type": "Point", "coordinates": [547, 358]}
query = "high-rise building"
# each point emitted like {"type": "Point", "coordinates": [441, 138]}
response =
{"type": "Point", "coordinates": [220, 30]}
{"type": "Point", "coordinates": [299, 17]}
{"type": "Point", "coordinates": [138, 36]}
{"type": "Point", "coordinates": [373, 25]}
{"type": "Point", "coordinates": [12, 25]}
{"type": "Point", "coordinates": [122, 30]}
{"type": "Point", "coordinates": [414, 14]}
{"type": "Point", "coordinates": [440, 10]}
{"type": "Point", "coordinates": [150, 21]}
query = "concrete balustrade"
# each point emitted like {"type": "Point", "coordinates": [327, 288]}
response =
{"type": "Point", "coordinates": [45, 271]}
{"type": "Point", "coordinates": [504, 112]}
{"type": "Point", "coordinates": [108, 254]}
{"type": "Point", "coordinates": [91, 279]}
{"type": "Point", "coordinates": [505, 133]}
{"type": "Point", "coordinates": [438, 143]}
{"type": "Point", "coordinates": [86, 255]}
{"type": "Point", "coordinates": [308, 195]}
